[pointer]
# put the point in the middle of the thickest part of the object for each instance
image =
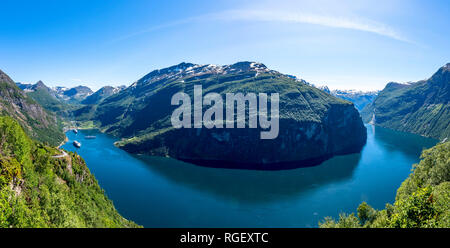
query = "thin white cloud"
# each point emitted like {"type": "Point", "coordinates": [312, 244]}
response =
{"type": "Point", "coordinates": [161, 26]}
{"type": "Point", "coordinates": [358, 24]}
{"type": "Point", "coordinates": [306, 18]}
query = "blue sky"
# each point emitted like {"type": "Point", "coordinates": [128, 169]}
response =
{"type": "Point", "coordinates": [342, 44]}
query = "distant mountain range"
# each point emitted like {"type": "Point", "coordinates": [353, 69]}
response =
{"type": "Point", "coordinates": [422, 107]}
{"type": "Point", "coordinates": [359, 98]}
{"type": "Point", "coordinates": [102, 94]}
{"type": "Point", "coordinates": [67, 102]}
{"type": "Point", "coordinates": [78, 94]}
{"type": "Point", "coordinates": [69, 95]}
{"type": "Point", "coordinates": [75, 94]}
{"type": "Point", "coordinates": [313, 125]}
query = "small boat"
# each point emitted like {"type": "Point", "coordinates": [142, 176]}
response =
{"type": "Point", "coordinates": [90, 137]}
{"type": "Point", "coordinates": [77, 144]}
{"type": "Point", "coordinates": [75, 131]}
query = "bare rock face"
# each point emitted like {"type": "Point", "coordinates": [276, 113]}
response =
{"type": "Point", "coordinates": [313, 125]}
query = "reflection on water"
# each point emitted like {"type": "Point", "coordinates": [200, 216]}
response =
{"type": "Point", "coordinates": [253, 186]}
{"type": "Point", "coordinates": [163, 192]}
{"type": "Point", "coordinates": [404, 142]}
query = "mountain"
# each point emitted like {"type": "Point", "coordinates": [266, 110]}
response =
{"type": "Point", "coordinates": [47, 98]}
{"type": "Point", "coordinates": [313, 125]}
{"type": "Point", "coordinates": [66, 95]}
{"type": "Point", "coordinates": [86, 111]}
{"type": "Point", "coordinates": [23, 86]}
{"type": "Point", "coordinates": [359, 98]}
{"type": "Point", "coordinates": [324, 89]}
{"type": "Point", "coordinates": [41, 186]}
{"type": "Point", "coordinates": [60, 90]}
{"type": "Point", "coordinates": [421, 107]}
{"type": "Point", "coordinates": [39, 85]}
{"type": "Point", "coordinates": [37, 122]}
{"type": "Point", "coordinates": [66, 102]}
{"type": "Point", "coordinates": [101, 94]}
{"type": "Point", "coordinates": [75, 94]}
{"type": "Point", "coordinates": [422, 201]}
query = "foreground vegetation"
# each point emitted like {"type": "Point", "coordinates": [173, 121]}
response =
{"type": "Point", "coordinates": [423, 199]}
{"type": "Point", "coordinates": [41, 186]}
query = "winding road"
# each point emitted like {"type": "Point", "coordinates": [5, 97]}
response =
{"type": "Point", "coordinates": [64, 154]}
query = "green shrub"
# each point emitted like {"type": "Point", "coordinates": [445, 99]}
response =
{"type": "Point", "coordinates": [423, 199]}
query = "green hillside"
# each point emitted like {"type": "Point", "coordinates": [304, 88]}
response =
{"type": "Point", "coordinates": [51, 103]}
{"type": "Point", "coordinates": [40, 186]}
{"type": "Point", "coordinates": [423, 199]}
{"type": "Point", "coordinates": [311, 121]}
{"type": "Point", "coordinates": [37, 122]}
{"type": "Point", "coordinates": [422, 107]}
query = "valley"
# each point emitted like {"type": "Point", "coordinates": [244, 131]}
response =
{"type": "Point", "coordinates": [150, 189]}
{"type": "Point", "coordinates": [118, 115]}
{"type": "Point", "coordinates": [139, 139]}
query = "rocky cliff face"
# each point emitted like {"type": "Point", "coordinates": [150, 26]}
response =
{"type": "Point", "coordinates": [313, 125]}
{"type": "Point", "coordinates": [299, 144]}
{"type": "Point", "coordinates": [37, 122]}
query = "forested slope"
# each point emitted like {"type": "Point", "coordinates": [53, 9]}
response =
{"type": "Point", "coordinates": [41, 186]}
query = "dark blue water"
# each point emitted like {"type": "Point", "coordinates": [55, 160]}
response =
{"type": "Point", "coordinates": [163, 192]}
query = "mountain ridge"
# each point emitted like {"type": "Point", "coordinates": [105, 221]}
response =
{"type": "Point", "coordinates": [101, 94]}
{"type": "Point", "coordinates": [38, 122]}
{"type": "Point", "coordinates": [421, 107]}
{"type": "Point", "coordinates": [358, 97]}
{"type": "Point", "coordinates": [311, 121]}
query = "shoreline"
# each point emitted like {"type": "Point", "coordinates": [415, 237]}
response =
{"type": "Point", "coordinates": [64, 141]}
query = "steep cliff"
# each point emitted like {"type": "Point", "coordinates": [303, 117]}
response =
{"type": "Point", "coordinates": [313, 125]}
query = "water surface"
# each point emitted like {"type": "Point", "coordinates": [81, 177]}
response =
{"type": "Point", "coordinates": [163, 192]}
